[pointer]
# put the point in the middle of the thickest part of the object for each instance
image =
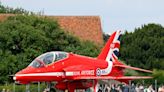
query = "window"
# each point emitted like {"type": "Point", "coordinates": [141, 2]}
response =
{"type": "Point", "coordinates": [48, 58]}
{"type": "Point", "coordinates": [36, 64]}
{"type": "Point", "coordinates": [60, 55]}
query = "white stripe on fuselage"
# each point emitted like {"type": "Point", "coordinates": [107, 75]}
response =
{"type": "Point", "coordinates": [43, 74]}
{"type": "Point", "coordinates": [70, 73]}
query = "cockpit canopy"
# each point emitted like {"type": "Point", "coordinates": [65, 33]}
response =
{"type": "Point", "coordinates": [48, 58]}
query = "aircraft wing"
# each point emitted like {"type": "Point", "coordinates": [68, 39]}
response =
{"type": "Point", "coordinates": [112, 77]}
{"type": "Point", "coordinates": [133, 68]}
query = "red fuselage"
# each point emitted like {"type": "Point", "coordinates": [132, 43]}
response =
{"type": "Point", "coordinates": [65, 69]}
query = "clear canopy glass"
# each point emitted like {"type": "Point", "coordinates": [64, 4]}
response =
{"type": "Point", "coordinates": [48, 58]}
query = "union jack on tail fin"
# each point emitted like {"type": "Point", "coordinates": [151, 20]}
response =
{"type": "Point", "coordinates": [110, 51]}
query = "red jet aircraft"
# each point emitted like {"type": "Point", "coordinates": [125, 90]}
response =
{"type": "Point", "coordinates": [72, 71]}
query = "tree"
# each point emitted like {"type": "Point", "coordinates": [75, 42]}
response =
{"type": "Point", "coordinates": [144, 47]}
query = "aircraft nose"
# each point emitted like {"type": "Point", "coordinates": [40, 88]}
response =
{"type": "Point", "coordinates": [14, 78]}
{"type": "Point", "coordinates": [20, 80]}
{"type": "Point", "coordinates": [18, 77]}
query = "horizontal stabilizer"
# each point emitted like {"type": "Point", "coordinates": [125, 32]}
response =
{"type": "Point", "coordinates": [133, 68]}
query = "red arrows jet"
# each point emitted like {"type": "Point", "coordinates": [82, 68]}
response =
{"type": "Point", "coordinates": [72, 71]}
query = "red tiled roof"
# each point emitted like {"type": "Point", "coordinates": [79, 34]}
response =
{"type": "Point", "coordinates": [85, 27]}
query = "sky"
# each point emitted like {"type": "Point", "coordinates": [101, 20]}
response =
{"type": "Point", "coordinates": [114, 14]}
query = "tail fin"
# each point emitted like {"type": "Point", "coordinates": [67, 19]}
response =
{"type": "Point", "coordinates": [110, 51]}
